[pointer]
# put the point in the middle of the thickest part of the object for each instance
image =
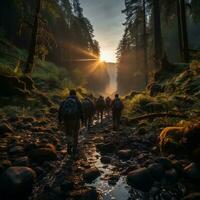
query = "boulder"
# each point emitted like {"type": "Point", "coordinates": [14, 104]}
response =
{"type": "Point", "coordinates": [192, 171]}
{"type": "Point", "coordinates": [4, 164]}
{"type": "Point", "coordinates": [17, 182]}
{"type": "Point", "coordinates": [22, 161]}
{"type": "Point", "coordinates": [192, 196]}
{"type": "Point", "coordinates": [91, 174]}
{"type": "Point", "coordinates": [171, 176]}
{"type": "Point", "coordinates": [157, 171]}
{"type": "Point", "coordinates": [124, 154]}
{"type": "Point", "coordinates": [16, 150]}
{"type": "Point", "coordinates": [171, 138]}
{"type": "Point", "coordinates": [43, 153]}
{"type": "Point", "coordinates": [141, 179]}
{"type": "Point", "coordinates": [165, 162]}
{"type": "Point", "coordinates": [106, 148]}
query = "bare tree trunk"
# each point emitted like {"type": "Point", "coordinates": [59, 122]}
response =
{"type": "Point", "coordinates": [182, 29]}
{"type": "Point", "coordinates": [145, 43]}
{"type": "Point", "coordinates": [32, 48]}
{"type": "Point", "coordinates": [157, 33]}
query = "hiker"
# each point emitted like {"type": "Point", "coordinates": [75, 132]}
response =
{"type": "Point", "coordinates": [88, 112]}
{"type": "Point", "coordinates": [108, 105]}
{"type": "Point", "coordinates": [100, 107]}
{"type": "Point", "coordinates": [117, 107]}
{"type": "Point", "coordinates": [70, 113]}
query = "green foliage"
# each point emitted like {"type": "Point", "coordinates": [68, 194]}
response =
{"type": "Point", "coordinates": [51, 74]}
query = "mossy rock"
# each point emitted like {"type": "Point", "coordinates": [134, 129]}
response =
{"type": "Point", "coordinates": [179, 139]}
{"type": "Point", "coordinates": [170, 139]}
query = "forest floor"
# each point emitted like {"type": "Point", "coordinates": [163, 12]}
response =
{"type": "Point", "coordinates": [102, 167]}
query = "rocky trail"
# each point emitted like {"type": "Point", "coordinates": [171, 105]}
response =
{"type": "Point", "coordinates": [121, 165]}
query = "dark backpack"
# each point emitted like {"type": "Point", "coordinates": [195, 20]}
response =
{"type": "Point", "coordinates": [69, 109]}
{"type": "Point", "coordinates": [108, 102]}
{"type": "Point", "coordinates": [100, 104]}
{"type": "Point", "coordinates": [87, 106]}
{"type": "Point", "coordinates": [117, 105]}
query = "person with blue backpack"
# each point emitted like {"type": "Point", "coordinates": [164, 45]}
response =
{"type": "Point", "coordinates": [70, 113]}
{"type": "Point", "coordinates": [117, 108]}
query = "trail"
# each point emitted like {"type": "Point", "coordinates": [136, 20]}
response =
{"type": "Point", "coordinates": [99, 152]}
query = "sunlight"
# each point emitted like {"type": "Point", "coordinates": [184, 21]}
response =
{"type": "Point", "coordinates": [107, 56]}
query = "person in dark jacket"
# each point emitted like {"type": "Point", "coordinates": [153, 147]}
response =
{"type": "Point", "coordinates": [71, 114]}
{"type": "Point", "coordinates": [88, 112]}
{"type": "Point", "coordinates": [108, 105]}
{"type": "Point", "coordinates": [100, 107]}
{"type": "Point", "coordinates": [117, 108]}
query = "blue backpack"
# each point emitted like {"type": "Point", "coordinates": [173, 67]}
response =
{"type": "Point", "coordinates": [117, 105]}
{"type": "Point", "coordinates": [69, 110]}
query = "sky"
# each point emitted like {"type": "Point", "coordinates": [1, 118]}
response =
{"type": "Point", "coordinates": [107, 19]}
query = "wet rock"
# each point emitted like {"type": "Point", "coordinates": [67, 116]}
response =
{"type": "Point", "coordinates": [86, 193]}
{"type": "Point", "coordinates": [22, 161]}
{"type": "Point", "coordinates": [171, 176]}
{"type": "Point", "coordinates": [4, 164]}
{"type": "Point", "coordinates": [113, 179]}
{"type": "Point", "coordinates": [178, 167]}
{"type": "Point", "coordinates": [193, 196]}
{"type": "Point", "coordinates": [17, 182]}
{"type": "Point", "coordinates": [165, 162]}
{"type": "Point", "coordinates": [5, 128]}
{"type": "Point", "coordinates": [43, 153]}
{"type": "Point", "coordinates": [124, 154]}
{"type": "Point", "coordinates": [91, 174]}
{"type": "Point", "coordinates": [129, 169]}
{"type": "Point", "coordinates": [105, 159]}
{"type": "Point", "coordinates": [106, 148]}
{"type": "Point", "coordinates": [140, 179]}
{"type": "Point", "coordinates": [16, 150]}
{"type": "Point", "coordinates": [157, 171]}
{"type": "Point", "coordinates": [192, 172]}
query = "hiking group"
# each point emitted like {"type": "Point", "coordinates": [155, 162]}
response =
{"type": "Point", "coordinates": [73, 113]}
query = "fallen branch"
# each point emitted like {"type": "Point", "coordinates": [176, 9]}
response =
{"type": "Point", "coordinates": [156, 115]}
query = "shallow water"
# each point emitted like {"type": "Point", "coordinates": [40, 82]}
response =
{"type": "Point", "coordinates": [119, 191]}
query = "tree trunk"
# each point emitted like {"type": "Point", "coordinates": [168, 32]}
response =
{"type": "Point", "coordinates": [145, 43]}
{"type": "Point", "coordinates": [182, 29]}
{"type": "Point", "coordinates": [32, 48]}
{"type": "Point", "coordinates": [157, 33]}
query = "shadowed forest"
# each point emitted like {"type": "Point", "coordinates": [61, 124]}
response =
{"type": "Point", "coordinates": [77, 125]}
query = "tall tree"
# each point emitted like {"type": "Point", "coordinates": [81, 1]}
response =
{"type": "Point", "coordinates": [157, 32]}
{"type": "Point", "coordinates": [182, 29]}
{"type": "Point", "coordinates": [145, 41]}
{"type": "Point", "coordinates": [32, 48]}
